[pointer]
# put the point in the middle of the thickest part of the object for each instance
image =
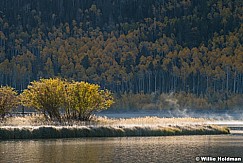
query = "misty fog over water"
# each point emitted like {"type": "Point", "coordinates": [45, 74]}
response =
{"type": "Point", "coordinates": [223, 114]}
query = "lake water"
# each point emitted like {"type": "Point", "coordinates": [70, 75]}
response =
{"type": "Point", "coordinates": [124, 150]}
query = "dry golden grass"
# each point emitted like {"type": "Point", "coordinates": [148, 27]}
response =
{"type": "Point", "coordinates": [23, 121]}
{"type": "Point", "coordinates": [36, 127]}
{"type": "Point", "coordinates": [38, 120]}
{"type": "Point", "coordinates": [150, 121]}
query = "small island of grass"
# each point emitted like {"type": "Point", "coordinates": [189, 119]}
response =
{"type": "Point", "coordinates": [36, 127]}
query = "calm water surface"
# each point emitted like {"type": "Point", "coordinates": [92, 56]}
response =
{"type": "Point", "coordinates": [127, 150]}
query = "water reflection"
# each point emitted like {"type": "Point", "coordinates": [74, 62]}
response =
{"type": "Point", "coordinates": [137, 149]}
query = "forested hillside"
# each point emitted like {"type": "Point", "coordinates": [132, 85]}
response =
{"type": "Point", "coordinates": [137, 46]}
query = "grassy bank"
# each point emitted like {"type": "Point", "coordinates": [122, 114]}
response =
{"type": "Point", "coordinates": [104, 127]}
{"type": "Point", "coordinates": [45, 132]}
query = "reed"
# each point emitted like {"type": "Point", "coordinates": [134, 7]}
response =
{"type": "Point", "coordinates": [143, 121]}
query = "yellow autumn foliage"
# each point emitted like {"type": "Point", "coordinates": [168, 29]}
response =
{"type": "Point", "coordinates": [84, 98]}
{"type": "Point", "coordinates": [58, 97]}
{"type": "Point", "coordinates": [8, 100]}
{"type": "Point", "coordinates": [46, 95]}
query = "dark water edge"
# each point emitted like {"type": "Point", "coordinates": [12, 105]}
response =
{"type": "Point", "coordinates": [48, 132]}
{"type": "Point", "coordinates": [165, 149]}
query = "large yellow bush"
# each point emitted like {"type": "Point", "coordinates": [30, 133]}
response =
{"type": "Point", "coordinates": [77, 99]}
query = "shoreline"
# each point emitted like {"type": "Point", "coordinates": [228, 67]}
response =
{"type": "Point", "coordinates": [36, 127]}
{"type": "Point", "coordinates": [50, 132]}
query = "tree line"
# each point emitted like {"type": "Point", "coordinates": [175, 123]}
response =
{"type": "Point", "coordinates": [133, 46]}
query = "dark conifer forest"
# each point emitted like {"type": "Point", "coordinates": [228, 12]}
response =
{"type": "Point", "coordinates": [127, 46]}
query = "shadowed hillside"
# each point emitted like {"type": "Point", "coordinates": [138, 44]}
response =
{"type": "Point", "coordinates": [131, 46]}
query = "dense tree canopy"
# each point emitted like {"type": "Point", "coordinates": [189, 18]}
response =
{"type": "Point", "coordinates": [124, 45]}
